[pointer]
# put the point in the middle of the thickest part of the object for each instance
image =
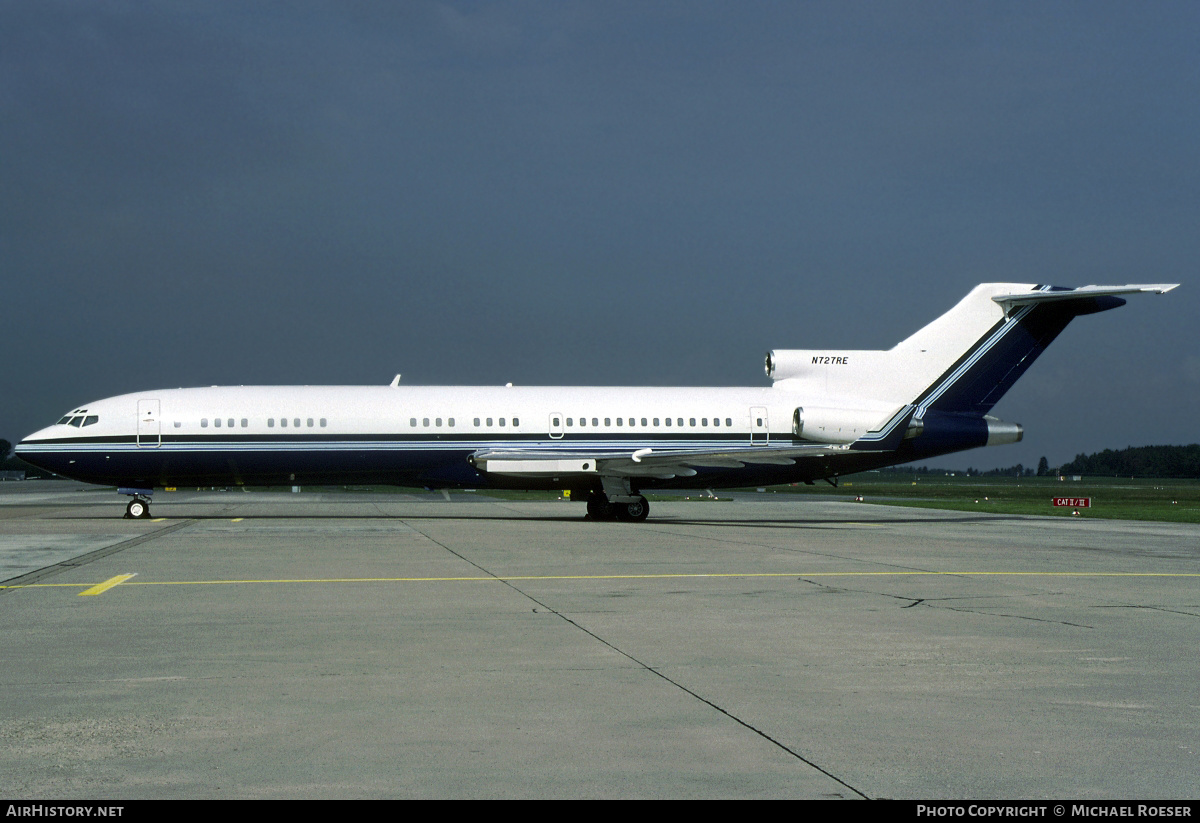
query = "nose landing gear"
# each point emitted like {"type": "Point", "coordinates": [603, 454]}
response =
{"type": "Point", "coordinates": [139, 506]}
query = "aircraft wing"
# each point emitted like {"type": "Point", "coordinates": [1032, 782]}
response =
{"type": "Point", "coordinates": [667, 463]}
{"type": "Point", "coordinates": [660, 463]}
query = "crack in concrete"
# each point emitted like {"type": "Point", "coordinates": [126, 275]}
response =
{"type": "Point", "coordinates": [1148, 608]}
{"type": "Point", "coordinates": [1019, 617]}
{"type": "Point", "coordinates": [650, 669]}
{"type": "Point", "coordinates": [932, 603]}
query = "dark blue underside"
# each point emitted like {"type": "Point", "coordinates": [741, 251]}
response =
{"type": "Point", "coordinates": [449, 467]}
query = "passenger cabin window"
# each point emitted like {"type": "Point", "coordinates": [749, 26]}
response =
{"type": "Point", "coordinates": [501, 421]}
{"type": "Point", "coordinates": [476, 421]}
{"type": "Point", "coordinates": [310, 422]}
{"type": "Point", "coordinates": [412, 421]}
{"type": "Point", "coordinates": [245, 422]}
{"type": "Point", "coordinates": [178, 424]}
{"type": "Point", "coordinates": [204, 422]}
{"type": "Point", "coordinates": [270, 422]}
{"type": "Point", "coordinates": [322, 422]}
{"type": "Point", "coordinates": [283, 422]}
{"type": "Point", "coordinates": [217, 422]}
{"type": "Point", "coordinates": [516, 422]}
{"type": "Point", "coordinates": [296, 422]}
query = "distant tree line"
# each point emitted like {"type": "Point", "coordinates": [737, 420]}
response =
{"type": "Point", "coordinates": [1138, 461]}
{"type": "Point", "coordinates": [1012, 471]}
{"type": "Point", "coordinates": [1135, 461]}
{"type": "Point", "coordinates": [12, 463]}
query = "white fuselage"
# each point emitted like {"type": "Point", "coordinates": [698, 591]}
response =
{"type": "Point", "coordinates": [262, 435]}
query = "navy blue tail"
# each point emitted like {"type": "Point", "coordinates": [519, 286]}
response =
{"type": "Point", "coordinates": [979, 378]}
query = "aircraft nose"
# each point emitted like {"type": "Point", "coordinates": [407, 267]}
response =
{"type": "Point", "coordinates": [39, 435]}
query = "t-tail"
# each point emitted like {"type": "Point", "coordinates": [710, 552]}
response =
{"type": "Point", "coordinates": [931, 393]}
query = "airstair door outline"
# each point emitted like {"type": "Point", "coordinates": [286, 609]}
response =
{"type": "Point", "coordinates": [760, 429]}
{"type": "Point", "coordinates": [149, 428]}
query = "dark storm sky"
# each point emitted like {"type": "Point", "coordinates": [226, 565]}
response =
{"type": "Point", "coordinates": [592, 193]}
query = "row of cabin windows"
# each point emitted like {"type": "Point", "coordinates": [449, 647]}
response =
{"type": "Point", "coordinates": [437, 422]}
{"type": "Point", "coordinates": [633, 421]}
{"type": "Point", "coordinates": [583, 421]}
{"type": "Point", "coordinates": [245, 422]}
{"type": "Point", "coordinates": [425, 422]}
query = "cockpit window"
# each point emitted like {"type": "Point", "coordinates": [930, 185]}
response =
{"type": "Point", "coordinates": [76, 419]}
{"type": "Point", "coordinates": [90, 419]}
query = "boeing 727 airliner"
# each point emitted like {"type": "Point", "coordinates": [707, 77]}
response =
{"type": "Point", "coordinates": [827, 413]}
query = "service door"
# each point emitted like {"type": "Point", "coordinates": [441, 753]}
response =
{"type": "Point", "coordinates": [760, 430]}
{"type": "Point", "coordinates": [556, 425]}
{"type": "Point", "coordinates": [149, 431]}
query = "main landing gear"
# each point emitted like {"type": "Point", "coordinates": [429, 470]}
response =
{"type": "Point", "coordinates": [599, 507]}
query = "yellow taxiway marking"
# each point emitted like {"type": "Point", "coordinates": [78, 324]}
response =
{"type": "Point", "coordinates": [237, 520]}
{"type": "Point", "coordinates": [668, 576]}
{"type": "Point", "coordinates": [119, 579]}
{"type": "Point", "coordinates": [101, 588]}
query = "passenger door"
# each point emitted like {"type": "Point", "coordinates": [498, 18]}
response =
{"type": "Point", "coordinates": [149, 430]}
{"type": "Point", "coordinates": [760, 429]}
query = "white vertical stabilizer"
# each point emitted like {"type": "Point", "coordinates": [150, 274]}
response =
{"type": "Point", "coordinates": [901, 373]}
{"type": "Point", "coordinates": [969, 356]}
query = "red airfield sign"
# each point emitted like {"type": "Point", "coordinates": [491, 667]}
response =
{"type": "Point", "coordinates": [1074, 502]}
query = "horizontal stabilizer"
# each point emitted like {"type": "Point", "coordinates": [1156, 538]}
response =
{"type": "Point", "coordinates": [1027, 298]}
